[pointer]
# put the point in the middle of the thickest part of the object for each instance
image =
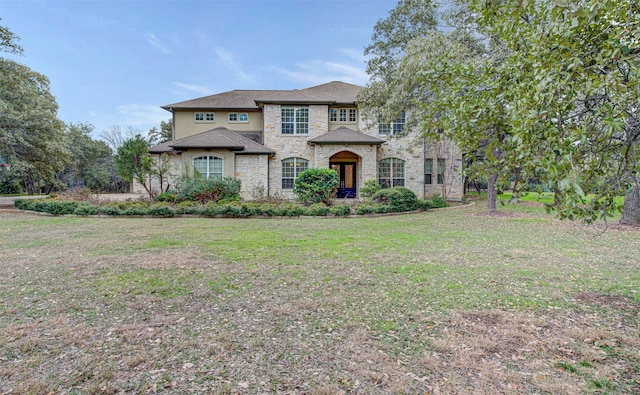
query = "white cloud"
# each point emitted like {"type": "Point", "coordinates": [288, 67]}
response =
{"type": "Point", "coordinates": [156, 43]}
{"type": "Point", "coordinates": [320, 71]}
{"type": "Point", "coordinates": [229, 61]}
{"type": "Point", "coordinates": [199, 89]}
{"type": "Point", "coordinates": [141, 116]}
{"type": "Point", "coordinates": [355, 54]}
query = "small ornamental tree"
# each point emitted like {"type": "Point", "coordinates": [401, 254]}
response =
{"type": "Point", "coordinates": [316, 186]}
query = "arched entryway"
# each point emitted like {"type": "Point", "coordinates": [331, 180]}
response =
{"type": "Point", "coordinates": [345, 163]}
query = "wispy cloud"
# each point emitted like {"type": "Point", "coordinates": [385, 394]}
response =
{"type": "Point", "coordinates": [355, 54]}
{"type": "Point", "coordinates": [320, 71]}
{"type": "Point", "coordinates": [229, 61]}
{"type": "Point", "coordinates": [157, 44]}
{"type": "Point", "coordinates": [199, 89]}
{"type": "Point", "coordinates": [141, 116]}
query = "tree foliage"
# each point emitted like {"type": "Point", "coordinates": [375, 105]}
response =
{"type": "Point", "coordinates": [90, 161]}
{"type": "Point", "coordinates": [162, 135]}
{"type": "Point", "coordinates": [573, 96]}
{"type": "Point", "coordinates": [542, 87]}
{"type": "Point", "coordinates": [387, 94]}
{"type": "Point", "coordinates": [134, 163]}
{"type": "Point", "coordinates": [31, 135]}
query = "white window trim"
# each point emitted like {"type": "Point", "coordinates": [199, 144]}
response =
{"type": "Point", "coordinates": [347, 111]}
{"type": "Point", "coordinates": [295, 121]}
{"type": "Point", "coordinates": [392, 162]}
{"type": "Point", "coordinates": [295, 166]}
{"type": "Point", "coordinates": [238, 115]}
{"type": "Point", "coordinates": [209, 159]}
{"type": "Point", "coordinates": [392, 126]}
{"type": "Point", "coordinates": [204, 117]}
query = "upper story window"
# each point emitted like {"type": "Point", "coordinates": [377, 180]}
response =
{"type": "Point", "coordinates": [343, 115]}
{"type": "Point", "coordinates": [238, 117]}
{"type": "Point", "coordinates": [205, 117]}
{"type": "Point", "coordinates": [208, 166]}
{"type": "Point", "coordinates": [393, 128]}
{"type": "Point", "coordinates": [295, 120]}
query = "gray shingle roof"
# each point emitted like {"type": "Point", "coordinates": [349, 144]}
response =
{"type": "Point", "coordinates": [237, 99]}
{"type": "Point", "coordinates": [344, 135]}
{"type": "Point", "coordinates": [219, 138]}
{"type": "Point", "coordinates": [332, 92]}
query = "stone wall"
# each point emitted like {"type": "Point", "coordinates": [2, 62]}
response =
{"type": "Point", "coordinates": [253, 173]}
{"type": "Point", "coordinates": [290, 146]}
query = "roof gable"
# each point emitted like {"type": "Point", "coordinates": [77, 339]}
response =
{"type": "Point", "coordinates": [218, 138]}
{"type": "Point", "coordinates": [335, 92]}
{"type": "Point", "coordinates": [344, 135]}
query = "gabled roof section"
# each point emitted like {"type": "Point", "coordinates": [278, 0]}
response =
{"type": "Point", "coordinates": [340, 92]}
{"type": "Point", "coordinates": [236, 100]}
{"type": "Point", "coordinates": [344, 135]}
{"type": "Point", "coordinates": [335, 92]}
{"type": "Point", "coordinates": [218, 138]}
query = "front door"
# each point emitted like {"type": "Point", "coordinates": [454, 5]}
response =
{"type": "Point", "coordinates": [347, 177]}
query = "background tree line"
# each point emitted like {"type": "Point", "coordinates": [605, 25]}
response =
{"type": "Point", "coordinates": [38, 152]}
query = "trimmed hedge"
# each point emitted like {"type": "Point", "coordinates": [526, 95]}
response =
{"type": "Point", "coordinates": [398, 198]}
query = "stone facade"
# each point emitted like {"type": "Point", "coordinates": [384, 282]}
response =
{"type": "Point", "coordinates": [261, 171]}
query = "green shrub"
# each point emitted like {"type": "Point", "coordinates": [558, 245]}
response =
{"type": "Point", "coordinates": [374, 208]}
{"type": "Point", "coordinates": [369, 189]}
{"type": "Point", "coordinates": [424, 204]}
{"type": "Point", "coordinates": [316, 186]}
{"type": "Point", "coordinates": [24, 204]}
{"type": "Point", "coordinates": [161, 210]}
{"type": "Point", "coordinates": [136, 210]}
{"type": "Point", "coordinates": [318, 210]}
{"type": "Point", "coordinates": [53, 206]}
{"type": "Point", "coordinates": [399, 198]}
{"type": "Point", "coordinates": [109, 209]}
{"type": "Point", "coordinates": [188, 207]}
{"type": "Point", "coordinates": [437, 201]}
{"type": "Point", "coordinates": [86, 209]}
{"type": "Point", "coordinates": [209, 190]}
{"type": "Point", "coordinates": [341, 210]}
{"type": "Point", "coordinates": [289, 210]}
{"type": "Point", "coordinates": [169, 197]}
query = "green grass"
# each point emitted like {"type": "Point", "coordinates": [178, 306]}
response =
{"type": "Point", "coordinates": [452, 300]}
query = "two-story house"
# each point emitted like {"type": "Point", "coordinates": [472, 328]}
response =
{"type": "Point", "coordinates": [266, 138]}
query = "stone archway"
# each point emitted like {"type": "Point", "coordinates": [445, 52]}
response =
{"type": "Point", "coordinates": [346, 163]}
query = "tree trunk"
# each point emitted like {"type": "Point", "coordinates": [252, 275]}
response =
{"type": "Point", "coordinates": [631, 208]}
{"type": "Point", "coordinates": [28, 183]}
{"type": "Point", "coordinates": [516, 181]}
{"type": "Point", "coordinates": [492, 193]}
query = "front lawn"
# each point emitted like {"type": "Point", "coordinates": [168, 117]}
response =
{"type": "Point", "coordinates": [445, 301]}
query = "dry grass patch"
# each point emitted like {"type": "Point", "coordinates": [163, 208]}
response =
{"type": "Point", "coordinates": [427, 303]}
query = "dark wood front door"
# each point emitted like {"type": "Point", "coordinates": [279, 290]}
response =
{"type": "Point", "coordinates": [347, 177]}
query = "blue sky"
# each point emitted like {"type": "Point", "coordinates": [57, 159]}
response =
{"type": "Point", "coordinates": [116, 62]}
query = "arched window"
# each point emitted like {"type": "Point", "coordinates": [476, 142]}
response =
{"type": "Point", "coordinates": [391, 173]}
{"type": "Point", "coordinates": [291, 168]}
{"type": "Point", "coordinates": [208, 166]}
